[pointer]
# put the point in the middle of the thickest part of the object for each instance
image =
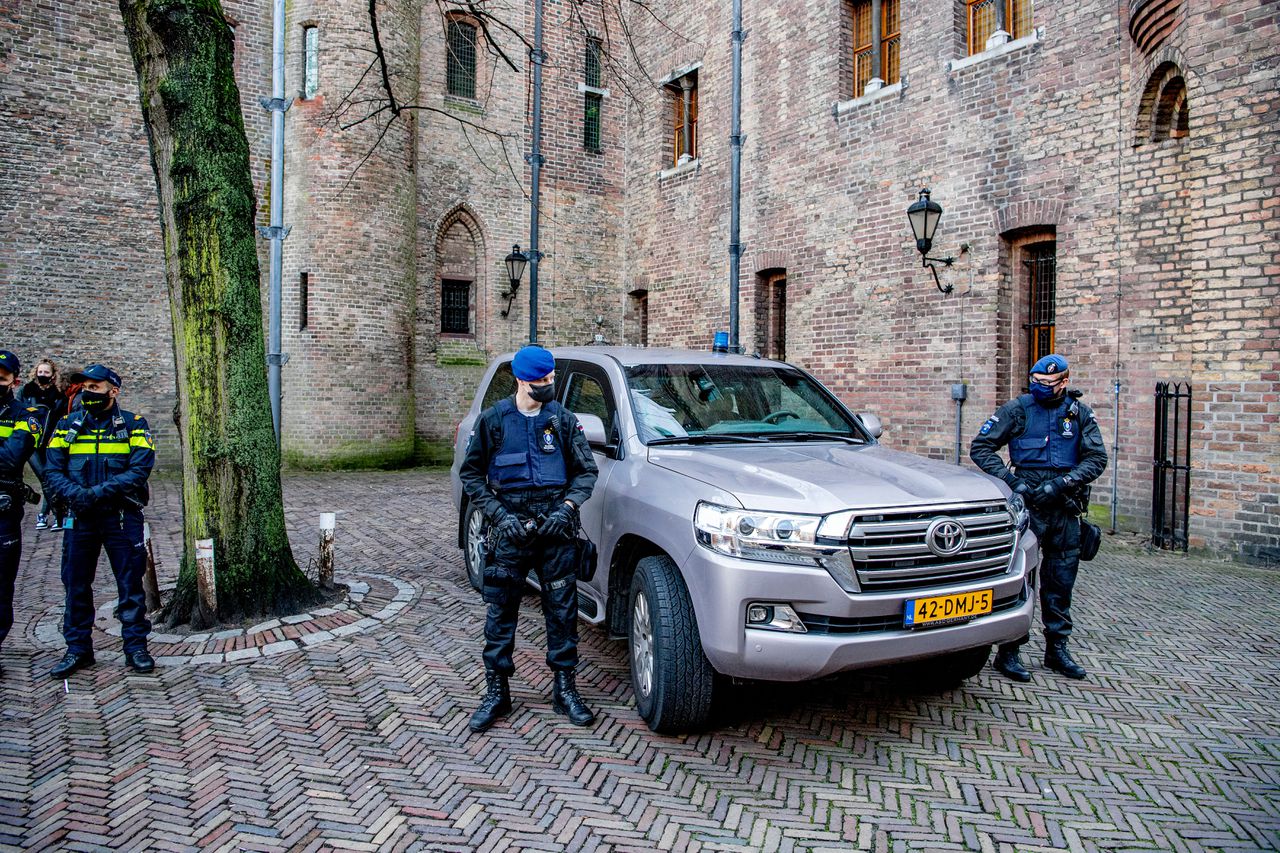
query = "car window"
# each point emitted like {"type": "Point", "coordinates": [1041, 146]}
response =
{"type": "Point", "coordinates": [585, 394]}
{"type": "Point", "coordinates": [678, 400]}
{"type": "Point", "coordinates": [502, 385]}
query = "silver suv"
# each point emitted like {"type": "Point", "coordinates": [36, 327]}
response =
{"type": "Point", "coordinates": [751, 526]}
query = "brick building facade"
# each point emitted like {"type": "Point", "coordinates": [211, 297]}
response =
{"type": "Point", "coordinates": [1108, 173]}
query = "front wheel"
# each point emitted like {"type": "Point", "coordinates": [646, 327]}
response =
{"type": "Point", "coordinates": [473, 546]}
{"type": "Point", "coordinates": [671, 677]}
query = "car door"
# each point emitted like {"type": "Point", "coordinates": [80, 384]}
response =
{"type": "Point", "coordinates": [588, 390]}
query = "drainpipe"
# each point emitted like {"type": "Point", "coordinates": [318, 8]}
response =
{"type": "Point", "coordinates": [276, 232]}
{"type": "Point", "coordinates": [537, 57]}
{"type": "Point", "coordinates": [735, 179]}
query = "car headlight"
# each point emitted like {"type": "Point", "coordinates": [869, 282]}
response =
{"type": "Point", "coordinates": [1018, 509]}
{"type": "Point", "coordinates": [770, 536]}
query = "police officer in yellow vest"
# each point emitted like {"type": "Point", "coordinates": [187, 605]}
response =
{"type": "Point", "coordinates": [98, 463]}
{"type": "Point", "coordinates": [20, 427]}
{"type": "Point", "coordinates": [528, 468]}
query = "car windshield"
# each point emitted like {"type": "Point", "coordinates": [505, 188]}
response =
{"type": "Point", "coordinates": [696, 402]}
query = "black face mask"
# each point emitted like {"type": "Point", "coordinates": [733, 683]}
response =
{"type": "Point", "coordinates": [543, 393]}
{"type": "Point", "coordinates": [95, 402]}
{"type": "Point", "coordinates": [6, 393]}
{"type": "Point", "coordinates": [45, 381]}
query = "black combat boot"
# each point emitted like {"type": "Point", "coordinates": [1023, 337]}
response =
{"type": "Point", "coordinates": [565, 699]}
{"type": "Point", "coordinates": [1008, 663]}
{"type": "Point", "coordinates": [1058, 659]}
{"type": "Point", "coordinates": [495, 704]}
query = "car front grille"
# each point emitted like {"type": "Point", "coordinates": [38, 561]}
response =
{"type": "Point", "coordinates": [818, 624]}
{"type": "Point", "coordinates": [891, 550]}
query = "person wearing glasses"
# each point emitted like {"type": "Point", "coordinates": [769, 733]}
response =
{"type": "Point", "coordinates": [1055, 451]}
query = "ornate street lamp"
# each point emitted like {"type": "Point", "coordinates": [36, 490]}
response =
{"type": "Point", "coordinates": [924, 215]}
{"type": "Point", "coordinates": [515, 272]}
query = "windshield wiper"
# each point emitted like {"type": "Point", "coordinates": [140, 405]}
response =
{"type": "Point", "coordinates": [706, 438]}
{"type": "Point", "coordinates": [814, 436]}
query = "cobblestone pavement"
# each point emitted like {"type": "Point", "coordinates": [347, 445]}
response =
{"type": "Point", "coordinates": [360, 742]}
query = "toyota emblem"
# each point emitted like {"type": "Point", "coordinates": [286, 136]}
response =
{"type": "Point", "coordinates": [945, 537]}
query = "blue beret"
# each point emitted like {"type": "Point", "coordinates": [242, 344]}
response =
{"type": "Point", "coordinates": [97, 373]}
{"type": "Point", "coordinates": [10, 362]}
{"type": "Point", "coordinates": [1050, 364]}
{"type": "Point", "coordinates": [532, 363]}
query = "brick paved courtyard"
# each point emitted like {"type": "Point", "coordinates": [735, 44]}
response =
{"type": "Point", "coordinates": [360, 742]}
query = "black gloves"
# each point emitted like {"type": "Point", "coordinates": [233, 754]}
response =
{"type": "Point", "coordinates": [1020, 487]}
{"type": "Point", "coordinates": [510, 528]}
{"type": "Point", "coordinates": [82, 499]}
{"type": "Point", "coordinates": [561, 524]}
{"type": "Point", "coordinates": [1049, 490]}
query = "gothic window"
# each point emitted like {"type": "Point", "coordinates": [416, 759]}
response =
{"type": "Point", "coordinates": [868, 64]}
{"type": "Point", "coordinates": [984, 20]}
{"type": "Point", "coordinates": [459, 250]}
{"type": "Point", "coordinates": [460, 64]}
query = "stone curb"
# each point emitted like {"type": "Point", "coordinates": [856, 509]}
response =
{"type": "Point", "coordinates": [308, 627]}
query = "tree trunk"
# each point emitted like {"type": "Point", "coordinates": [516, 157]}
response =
{"type": "Point", "coordinates": [182, 51]}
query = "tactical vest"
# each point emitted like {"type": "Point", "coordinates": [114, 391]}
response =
{"type": "Point", "coordinates": [529, 453]}
{"type": "Point", "coordinates": [1050, 437]}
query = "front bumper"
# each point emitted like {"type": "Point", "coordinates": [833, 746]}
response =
{"type": "Point", "coordinates": [846, 630]}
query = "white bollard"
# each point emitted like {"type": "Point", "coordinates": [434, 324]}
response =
{"type": "Point", "coordinates": [206, 580]}
{"type": "Point", "coordinates": [328, 521]}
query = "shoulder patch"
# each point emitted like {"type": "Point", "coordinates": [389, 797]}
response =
{"type": "Point", "coordinates": [137, 417]}
{"type": "Point", "coordinates": [991, 422]}
{"type": "Point", "coordinates": [34, 424]}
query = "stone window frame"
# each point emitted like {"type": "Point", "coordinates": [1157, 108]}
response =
{"type": "Point", "coordinates": [1019, 22]}
{"type": "Point", "coordinates": [1014, 308]}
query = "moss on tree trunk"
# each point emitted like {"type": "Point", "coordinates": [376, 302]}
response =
{"type": "Point", "coordinates": [182, 51]}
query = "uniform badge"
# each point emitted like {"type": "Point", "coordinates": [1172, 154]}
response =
{"type": "Point", "coordinates": [1066, 428]}
{"type": "Point", "coordinates": [991, 421]}
{"type": "Point", "coordinates": [34, 424]}
{"type": "Point", "coordinates": [548, 441]}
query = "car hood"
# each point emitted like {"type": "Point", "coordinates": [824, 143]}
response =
{"type": "Point", "coordinates": [823, 478]}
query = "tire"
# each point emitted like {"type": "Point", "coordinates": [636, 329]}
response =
{"type": "Point", "coordinates": [473, 534]}
{"type": "Point", "coordinates": [945, 672]}
{"type": "Point", "coordinates": [671, 678]}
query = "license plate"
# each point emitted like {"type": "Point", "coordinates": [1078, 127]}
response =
{"type": "Point", "coordinates": [946, 609]}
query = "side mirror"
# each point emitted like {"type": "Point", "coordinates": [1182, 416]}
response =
{"type": "Point", "coordinates": [872, 423]}
{"type": "Point", "coordinates": [593, 429]}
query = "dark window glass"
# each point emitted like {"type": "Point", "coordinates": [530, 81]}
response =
{"type": "Point", "coordinates": [502, 386]}
{"type": "Point", "coordinates": [460, 71]}
{"type": "Point", "coordinates": [593, 75]}
{"type": "Point", "coordinates": [585, 395]}
{"type": "Point", "coordinates": [591, 105]}
{"type": "Point", "coordinates": [455, 307]}
{"type": "Point", "coordinates": [1042, 268]}
{"type": "Point", "coordinates": [304, 296]}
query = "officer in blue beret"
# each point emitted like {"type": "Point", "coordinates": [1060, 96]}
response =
{"type": "Point", "coordinates": [528, 468]}
{"type": "Point", "coordinates": [21, 426]}
{"type": "Point", "coordinates": [1055, 452]}
{"type": "Point", "coordinates": [98, 463]}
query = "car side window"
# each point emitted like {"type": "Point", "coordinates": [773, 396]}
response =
{"type": "Point", "coordinates": [502, 385]}
{"type": "Point", "coordinates": [586, 394]}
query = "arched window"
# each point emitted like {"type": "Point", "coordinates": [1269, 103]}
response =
{"type": "Point", "coordinates": [458, 253]}
{"type": "Point", "coordinates": [1163, 112]}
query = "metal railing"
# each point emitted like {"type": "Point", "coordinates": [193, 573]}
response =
{"type": "Point", "coordinates": [1171, 466]}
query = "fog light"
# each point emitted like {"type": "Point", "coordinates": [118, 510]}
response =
{"type": "Point", "coordinates": [775, 617]}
